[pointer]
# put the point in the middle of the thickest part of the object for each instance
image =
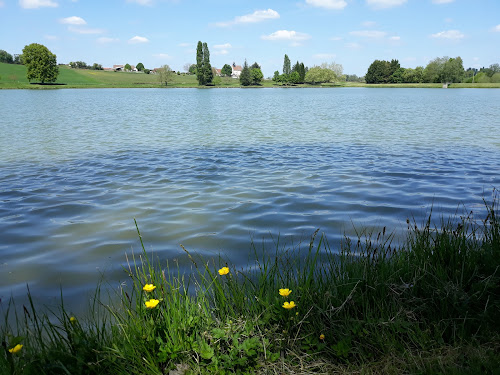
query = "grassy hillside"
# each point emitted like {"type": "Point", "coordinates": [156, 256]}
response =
{"type": "Point", "coordinates": [14, 77]}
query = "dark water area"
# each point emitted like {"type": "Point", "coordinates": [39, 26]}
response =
{"type": "Point", "coordinates": [215, 169]}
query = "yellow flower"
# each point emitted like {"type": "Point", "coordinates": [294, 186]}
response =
{"type": "Point", "coordinates": [16, 348]}
{"type": "Point", "coordinates": [285, 292]}
{"type": "Point", "coordinates": [289, 306]}
{"type": "Point", "coordinates": [151, 304]}
{"type": "Point", "coordinates": [224, 271]}
{"type": "Point", "coordinates": [149, 288]}
{"type": "Point", "coordinates": [321, 337]}
{"type": "Point", "coordinates": [72, 319]}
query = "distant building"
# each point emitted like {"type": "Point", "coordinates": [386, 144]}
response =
{"type": "Point", "coordinates": [236, 70]}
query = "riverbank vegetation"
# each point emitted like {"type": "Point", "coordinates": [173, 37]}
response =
{"type": "Point", "coordinates": [429, 305]}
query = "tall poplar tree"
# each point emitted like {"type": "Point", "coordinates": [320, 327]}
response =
{"type": "Point", "coordinates": [286, 65]}
{"type": "Point", "coordinates": [208, 75]}
{"type": "Point", "coordinates": [199, 64]}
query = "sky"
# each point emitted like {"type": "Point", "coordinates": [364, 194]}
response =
{"type": "Point", "coordinates": [353, 33]}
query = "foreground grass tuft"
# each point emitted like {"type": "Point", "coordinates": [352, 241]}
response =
{"type": "Point", "coordinates": [430, 305]}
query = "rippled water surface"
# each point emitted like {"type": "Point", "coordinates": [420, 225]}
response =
{"type": "Point", "coordinates": [214, 169]}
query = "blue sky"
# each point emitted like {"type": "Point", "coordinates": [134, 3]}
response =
{"type": "Point", "coordinates": [349, 32]}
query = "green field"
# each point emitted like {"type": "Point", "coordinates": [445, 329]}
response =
{"type": "Point", "coordinates": [14, 77]}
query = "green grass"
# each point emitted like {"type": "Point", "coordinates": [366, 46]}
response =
{"type": "Point", "coordinates": [14, 77]}
{"type": "Point", "coordinates": [428, 306]}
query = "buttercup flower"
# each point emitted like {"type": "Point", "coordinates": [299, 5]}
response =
{"type": "Point", "coordinates": [224, 271]}
{"type": "Point", "coordinates": [16, 348]}
{"type": "Point", "coordinates": [151, 304]}
{"type": "Point", "coordinates": [149, 288]}
{"type": "Point", "coordinates": [72, 319]}
{"type": "Point", "coordinates": [289, 306]}
{"type": "Point", "coordinates": [285, 292]}
{"type": "Point", "coordinates": [321, 337]}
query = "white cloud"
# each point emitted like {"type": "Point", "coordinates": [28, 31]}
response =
{"type": "Point", "coordinates": [162, 56]}
{"type": "Point", "coordinates": [141, 2]}
{"type": "Point", "coordinates": [496, 28]}
{"type": "Point", "coordinates": [74, 20]}
{"type": "Point", "coordinates": [138, 39]}
{"type": "Point", "coordinates": [336, 38]}
{"type": "Point", "coordinates": [223, 46]}
{"type": "Point", "coordinates": [1, 4]}
{"type": "Point", "coordinates": [105, 40]}
{"type": "Point", "coordinates": [51, 37]}
{"type": "Point", "coordinates": [292, 36]}
{"type": "Point", "coordinates": [257, 16]}
{"type": "Point", "coordinates": [328, 4]}
{"type": "Point", "coordinates": [33, 4]}
{"type": "Point", "coordinates": [395, 38]}
{"type": "Point", "coordinates": [82, 30]}
{"type": "Point", "coordinates": [353, 45]}
{"type": "Point", "coordinates": [380, 4]}
{"type": "Point", "coordinates": [184, 44]}
{"type": "Point", "coordinates": [442, 1]}
{"type": "Point", "coordinates": [449, 34]}
{"type": "Point", "coordinates": [324, 56]}
{"type": "Point", "coordinates": [369, 33]}
{"type": "Point", "coordinates": [369, 24]}
{"type": "Point", "coordinates": [221, 52]}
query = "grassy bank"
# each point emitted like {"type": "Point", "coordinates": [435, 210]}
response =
{"type": "Point", "coordinates": [14, 77]}
{"type": "Point", "coordinates": [428, 306]}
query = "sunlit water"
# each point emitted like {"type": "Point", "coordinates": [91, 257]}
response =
{"type": "Point", "coordinates": [215, 169]}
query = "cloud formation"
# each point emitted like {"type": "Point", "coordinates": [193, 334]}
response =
{"type": "Point", "coordinates": [257, 16]}
{"type": "Point", "coordinates": [286, 35]}
{"type": "Point", "coordinates": [74, 20]}
{"type": "Point", "coordinates": [105, 40]}
{"type": "Point", "coordinates": [83, 30]}
{"type": "Point", "coordinates": [328, 4]}
{"type": "Point", "coordinates": [34, 4]}
{"type": "Point", "coordinates": [141, 2]}
{"type": "Point", "coordinates": [382, 4]}
{"type": "Point", "coordinates": [222, 49]}
{"type": "Point", "coordinates": [496, 28]}
{"type": "Point", "coordinates": [369, 34]}
{"type": "Point", "coordinates": [448, 34]}
{"type": "Point", "coordinates": [442, 1]}
{"type": "Point", "coordinates": [138, 39]}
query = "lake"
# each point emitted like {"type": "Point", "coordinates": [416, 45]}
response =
{"type": "Point", "coordinates": [215, 169]}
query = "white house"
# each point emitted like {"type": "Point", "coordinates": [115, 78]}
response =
{"type": "Point", "coordinates": [236, 70]}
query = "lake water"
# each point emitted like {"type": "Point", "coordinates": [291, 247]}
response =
{"type": "Point", "coordinates": [214, 169]}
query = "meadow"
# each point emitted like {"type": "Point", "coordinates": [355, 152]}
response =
{"type": "Point", "coordinates": [14, 77]}
{"type": "Point", "coordinates": [426, 306]}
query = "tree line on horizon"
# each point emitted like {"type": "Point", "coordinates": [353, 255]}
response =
{"type": "Point", "coordinates": [41, 65]}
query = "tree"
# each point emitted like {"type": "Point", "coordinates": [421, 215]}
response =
{"type": "Point", "coordinates": [286, 65]}
{"type": "Point", "coordinates": [127, 67]}
{"type": "Point", "coordinates": [226, 70]}
{"type": "Point", "coordinates": [245, 76]}
{"type": "Point", "coordinates": [140, 67]}
{"type": "Point", "coordinates": [433, 69]}
{"type": "Point", "coordinates": [302, 73]}
{"type": "Point", "coordinates": [6, 57]}
{"type": "Point", "coordinates": [165, 74]}
{"type": "Point", "coordinates": [318, 74]}
{"type": "Point", "coordinates": [276, 77]}
{"type": "Point", "coordinates": [18, 59]}
{"type": "Point", "coordinates": [378, 72]}
{"type": "Point", "coordinates": [192, 69]}
{"type": "Point", "coordinates": [96, 66]}
{"type": "Point", "coordinates": [41, 64]}
{"type": "Point", "coordinates": [294, 77]}
{"type": "Point", "coordinates": [257, 76]}
{"type": "Point", "coordinates": [452, 71]}
{"type": "Point", "coordinates": [255, 66]}
{"type": "Point", "coordinates": [208, 75]}
{"type": "Point", "coordinates": [199, 64]}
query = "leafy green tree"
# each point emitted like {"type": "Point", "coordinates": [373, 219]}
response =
{"type": "Point", "coordinates": [18, 59]}
{"type": "Point", "coordinates": [318, 74]}
{"type": "Point", "coordinates": [6, 57]}
{"type": "Point", "coordinates": [286, 65]}
{"type": "Point", "coordinates": [199, 64]}
{"type": "Point", "coordinates": [41, 64]}
{"type": "Point", "coordinates": [96, 66]}
{"type": "Point", "coordinates": [257, 76]}
{"type": "Point", "coordinates": [452, 71]}
{"type": "Point", "coordinates": [208, 75]}
{"type": "Point", "coordinates": [165, 75]}
{"type": "Point", "coordinates": [140, 67]}
{"type": "Point", "coordinates": [294, 77]}
{"type": "Point", "coordinates": [245, 76]}
{"type": "Point", "coordinates": [226, 70]}
{"type": "Point", "coordinates": [255, 66]}
{"type": "Point", "coordinates": [276, 77]}
{"type": "Point", "coordinates": [302, 73]}
{"type": "Point", "coordinates": [397, 76]}
{"type": "Point", "coordinates": [147, 71]}
{"type": "Point", "coordinates": [378, 72]}
{"type": "Point", "coordinates": [192, 69]}
{"type": "Point", "coordinates": [127, 67]}
{"type": "Point", "coordinates": [433, 69]}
